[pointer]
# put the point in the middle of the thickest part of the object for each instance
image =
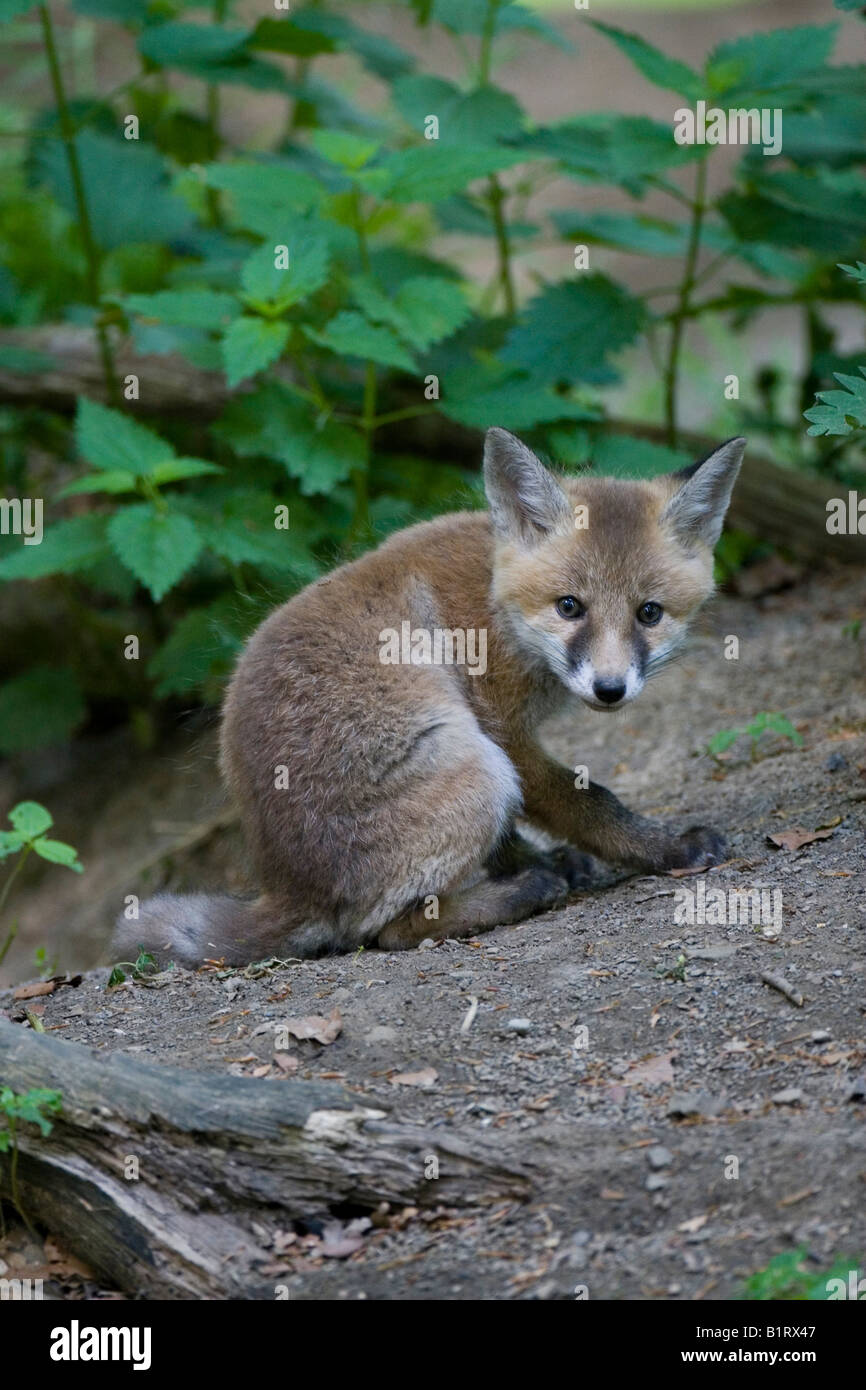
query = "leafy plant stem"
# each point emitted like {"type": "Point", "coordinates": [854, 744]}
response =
{"type": "Point", "coordinates": [360, 476]}
{"type": "Point", "coordinates": [488, 33]}
{"type": "Point", "coordinates": [681, 312]}
{"type": "Point", "coordinates": [213, 122]}
{"type": "Point", "coordinates": [10, 937]}
{"type": "Point", "coordinates": [410, 412]}
{"type": "Point", "coordinates": [91, 253]}
{"type": "Point", "coordinates": [496, 199]}
{"type": "Point", "coordinates": [7, 886]}
{"type": "Point", "coordinates": [495, 191]}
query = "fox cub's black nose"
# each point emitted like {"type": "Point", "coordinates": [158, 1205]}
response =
{"type": "Point", "coordinates": [608, 690]}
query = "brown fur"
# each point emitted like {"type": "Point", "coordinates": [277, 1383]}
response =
{"type": "Point", "coordinates": [404, 781]}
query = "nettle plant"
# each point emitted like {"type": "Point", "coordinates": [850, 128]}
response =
{"type": "Point", "coordinates": [30, 824]}
{"type": "Point", "coordinates": [310, 274]}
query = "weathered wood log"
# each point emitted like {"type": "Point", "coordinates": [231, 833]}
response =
{"type": "Point", "coordinates": [167, 383]}
{"type": "Point", "coordinates": [214, 1155]}
{"type": "Point", "coordinates": [780, 505]}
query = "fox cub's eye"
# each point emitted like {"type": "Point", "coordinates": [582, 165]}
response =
{"type": "Point", "coordinates": [570, 607]}
{"type": "Point", "coordinates": [649, 613]}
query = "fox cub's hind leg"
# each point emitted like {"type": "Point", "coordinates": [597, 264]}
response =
{"type": "Point", "coordinates": [477, 794]}
{"type": "Point", "coordinates": [488, 904]}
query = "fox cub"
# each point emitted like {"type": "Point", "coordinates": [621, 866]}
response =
{"type": "Point", "coordinates": [379, 778]}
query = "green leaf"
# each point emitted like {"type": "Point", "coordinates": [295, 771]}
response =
{"type": "Point", "coordinates": [176, 469]}
{"type": "Point", "coordinates": [240, 527]}
{"type": "Point", "coordinates": [10, 843]}
{"type": "Point", "coordinates": [125, 184]}
{"type": "Point", "coordinates": [351, 335]}
{"type": "Point", "coordinates": [424, 309]}
{"type": "Point", "coordinates": [656, 66]}
{"type": "Point", "coordinates": [56, 852]}
{"type": "Point", "coordinates": [645, 236]}
{"type": "Point", "coordinates": [30, 1104]}
{"type": "Point", "coordinates": [250, 345]}
{"type": "Point", "coordinates": [30, 819]}
{"type": "Point", "coordinates": [833, 200]}
{"type": "Point", "coordinates": [265, 196]}
{"type": "Point", "coordinates": [628, 150]}
{"type": "Point", "coordinates": [196, 308]}
{"type": "Point", "coordinates": [124, 11]}
{"type": "Point", "coordinates": [857, 272]}
{"type": "Point", "coordinates": [841, 411]}
{"type": "Point", "coordinates": [179, 45]}
{"type": "Point", "coordinates": [11, 9]}
{"type": "Point", "coordinates": [620, 456]}
{"type": "Point", "coordinates": [758, 63]}
{"type": "Point", "coordinates": [777, 724]}
{"type": "Point", "coordinates": [38, 709]}
{"type": "Point", "coordinates": [432, 172]}
{"type": "Point", "coordinates": [66, 548]}
{"type": "Point", "coordinates": [273, 424]}
{"type": "Point", "coordinates": [568, 331]}
{"type": "Point", "coordinates": [513, 403]}
{"type": "Point", "coordinates": [270, 290]}
{"type": "Point", "coordinates": [472, 17]}
{"type": "Point", "coordinates": [283, 36]}
{"type": "Point", "coordinates": [111, 440]}
{"type": "Point", "coordinates": [158, 547]}
{"type": "Point", "coordinates": [344, 148]}
{"type": "Point", "coordinates": [379, 54]}
{"type": "Point", "coordinates": [112, 480]}
{"type": "Point", "coordinates": [723, 740]}
{"type": "Point", "coordinates": [483, 116]}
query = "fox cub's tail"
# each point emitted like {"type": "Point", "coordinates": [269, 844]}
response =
{"type": "Point", "coordinates": [193, 928]}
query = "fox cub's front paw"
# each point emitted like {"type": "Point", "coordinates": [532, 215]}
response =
{"type": "Point", "coordinates": [697, 848]}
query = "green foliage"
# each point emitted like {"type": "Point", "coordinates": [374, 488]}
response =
{"type": "Point", "coordinates": [841, 412]}
{"type": "Point", "coordinates": [310, 273]}
{"type": "Point", "coordinates": [24, 1107]}
{"type": "Point", "coordinates": [786, 1278]}
{"type": "Point", "coordinates": [29, 822]}
{"type": "Point", "coordinates": [39, 708]}
{"type": "Point", "coordinates": [28, 1107]}
{"type": "Point", "coordinates": [762, 723]}
{"type": "Point", "coordinates": [141, 968]}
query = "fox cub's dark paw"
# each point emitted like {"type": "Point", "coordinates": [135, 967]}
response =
{"type": "Point", "coordinates": [697, 848]}
{"type": "Point", "coordinates": [541, 889]}
{"type": "Point", "coordinates": [578, 870]}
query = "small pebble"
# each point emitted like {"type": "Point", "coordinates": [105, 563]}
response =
{"type": "Point", "coordinates": [792, 1096]}
{"type": "Point", "coordinates": [659, 1156]}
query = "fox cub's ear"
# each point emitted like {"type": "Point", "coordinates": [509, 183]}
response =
{"type": "Point", "coordinates": [526, 502]}
{"type": "Point", "coordinates": [697, 508]}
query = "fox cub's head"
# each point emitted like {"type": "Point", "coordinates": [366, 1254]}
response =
{"type": "Point", "coordinates": [598, 578]}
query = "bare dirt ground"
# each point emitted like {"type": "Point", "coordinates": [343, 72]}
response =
{"type": "Point", "coordinates": [689, 1060]}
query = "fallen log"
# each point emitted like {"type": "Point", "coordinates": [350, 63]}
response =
{"type": "Point", "coordinates": [780, 505]}
{"type": "Point", "coordinates": [217, 1158]}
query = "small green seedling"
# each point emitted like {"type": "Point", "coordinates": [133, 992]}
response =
{"type": "Point", "coordinates": [765, 722]}
{"type": "Point", "coordinates": [29, 824]}
{"type": "Point", "coordinates": [852, 629]}
{"type": "Point", "coordinates": [24, 1107]}
{"type": "Point", "coordinates": [42, 966]}
{"type": "Point", "coordinates": [139, 968]}
{"type": "Point", "coordinates": [678, 971]}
